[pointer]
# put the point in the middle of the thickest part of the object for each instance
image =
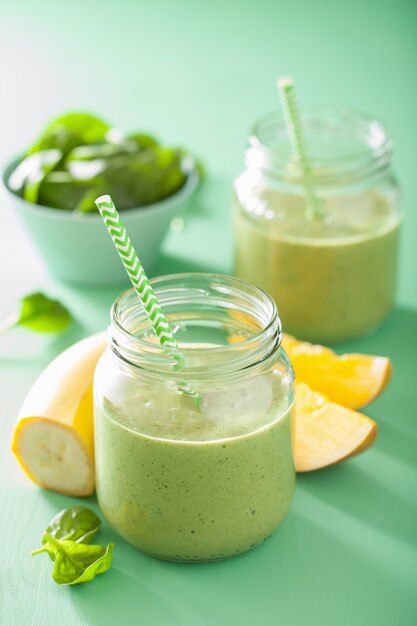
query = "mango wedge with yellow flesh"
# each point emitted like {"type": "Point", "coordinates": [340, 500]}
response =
{"type": "Point", "coordinates": [53, 437]}
{"type": "Point", "coordinates": [352, 380]}
{"type": "Point", "coordinates": [327, 433]}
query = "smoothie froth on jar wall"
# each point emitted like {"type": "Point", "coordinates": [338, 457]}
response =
{"type": "Point", "coordinates": [195, 481]}
{"type": "Point", "coordinates": [333, 277]}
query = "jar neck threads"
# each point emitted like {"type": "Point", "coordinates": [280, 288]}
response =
{"type": "Point", "coordinates": [222, 324]}
{"type": "Point", "coordinates": [345, 147]}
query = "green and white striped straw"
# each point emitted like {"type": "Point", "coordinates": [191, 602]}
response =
{"type": "Point", "coordinates": [141, 284]}
{"type": "Point", "coordinates": [314, 206]}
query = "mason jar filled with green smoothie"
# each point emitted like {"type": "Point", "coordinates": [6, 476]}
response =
{"type": "Point", "coordinates": [204, 475]}
{"type": "Point", "coordinates": [332, 273]}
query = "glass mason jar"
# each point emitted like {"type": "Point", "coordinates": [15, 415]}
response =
{"type": "Point", "coordinates": [333, 276]}
{"type": "Point", "coordinates": [195, 480]}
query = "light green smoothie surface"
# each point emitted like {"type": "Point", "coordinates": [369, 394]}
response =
{"type": "Point", "coordinates": [188, 482]}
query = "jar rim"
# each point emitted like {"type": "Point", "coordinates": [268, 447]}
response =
{"type": "Point", "coordinates": [269, 147]}
{"type": "Point", "coordinates": [175, 290]}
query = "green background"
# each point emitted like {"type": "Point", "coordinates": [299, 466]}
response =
{"type": "Point", "coordinates": [199, 73]}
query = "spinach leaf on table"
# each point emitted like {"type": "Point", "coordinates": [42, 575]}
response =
{"type": "Point", "coordinates": [67, 540]}
{"type": "Point", "coordinates": [74, 562]}
{"type": "Point", "coordinates": [76, 523]}
{"type": "Point", "coordinates": [39, 313]}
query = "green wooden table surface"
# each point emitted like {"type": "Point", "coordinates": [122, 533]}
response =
{"type": "Point", "coordinates": [199, 73]}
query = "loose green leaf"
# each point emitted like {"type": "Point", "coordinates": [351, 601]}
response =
{"type": "Point", "coordinates": [67, 540]}
{"type": "Point", "coordinates": [42, 314]}
{"type": "Point", "coordinates": [76, 523]}
{"type": "Point", "coordinates": [74, 562]}
{"type": "Point", "coordinates": [71, 130]}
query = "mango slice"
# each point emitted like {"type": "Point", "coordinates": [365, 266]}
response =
{"type": "Point", "coordinates": [352, 380]}
{"type": "Point", "coordinates": [327, 433]}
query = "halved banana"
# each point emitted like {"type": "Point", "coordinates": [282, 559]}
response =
{"type": "Point", "coordinates": [53, 438]}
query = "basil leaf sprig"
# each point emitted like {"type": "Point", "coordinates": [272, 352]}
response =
{"type": "Point", "coordinates": [39, 313]}
{"type": "Point", "coordinates": [67, 540]}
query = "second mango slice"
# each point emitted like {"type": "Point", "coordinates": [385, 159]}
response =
{"type": "Point", "coordinates": [326, 433]}
{"type": "Point", "coordinates": [352, 380]}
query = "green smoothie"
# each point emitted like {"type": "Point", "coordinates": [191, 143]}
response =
{"type": "Point", "coordinates": [187, 482]}
{"type": "Point", "coordinates": [334, 278]}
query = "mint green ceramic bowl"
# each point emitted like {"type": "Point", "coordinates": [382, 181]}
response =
{"type": "Point", "coordinates": [78, 248]}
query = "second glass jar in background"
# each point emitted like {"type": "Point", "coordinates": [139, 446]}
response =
{"type": "Point", "coordinates": [333, 277]}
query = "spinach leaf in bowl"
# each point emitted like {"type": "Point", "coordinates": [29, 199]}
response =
{"type": "Point", "coordinates": [61, 190]}
{"type": "Point", "coordinates": [79, 157]}
{"type": "Point", "coordinates": [133, 180]}
{"type": "Point", "coordinates": [71, 130]}
{"type": "Point", "coordinates": [129, 145]}
{"type": "Point", "coordinates": [27, 178]}
{"type": "Point", "coordinates": [145, 177]}
{"type": "Point", "coordinates": [142, 141]}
